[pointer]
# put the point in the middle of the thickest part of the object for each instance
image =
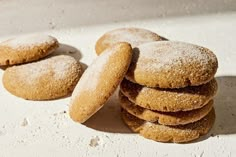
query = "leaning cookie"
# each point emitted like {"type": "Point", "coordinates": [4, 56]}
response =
{"type": "Point", "coordinates": [176, 134]}
{"type": "Point", "coordinates": [99, 81]}
{"type": "Point", "coordinates": [134, 36]}
{"type": "Point", "coordinates": [46, 79]}
{"type": "Point", "coordinates": [26, 49]}
{"type": "Point", "coordinates": [169, 100]}
{"type": "Point", "coordinates": [171, 64]}
{"type": "Point", "coordinates": [165, 118]}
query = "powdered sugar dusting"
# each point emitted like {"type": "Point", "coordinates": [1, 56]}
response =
{"type": "Point", "coordinates": [90, 78]}
{"type": "Point", "coordinates": [164, 55]}
{"type": "Point", "coordinates": [29, 41]}
{"type": "Point", "coordinates": [57, 66]}
{"type": "Point", "coordinates": [134, 36]}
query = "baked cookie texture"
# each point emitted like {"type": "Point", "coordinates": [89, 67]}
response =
{"type": "Point", "coordinates": [169, 100]}
{"type": "Point", "coordinates": [171, 64]}
{"type": "Point", "coordinates": [134, 36]}
{"type": "Point", "coordinates": [99, 81]}
{"type": "Point", "coordinates": [163, 133]}
{"type": "Point", "coordinates": [46, 79]}
{"type": "Point", "coordinates": [164, 118]}
{"type": "Point", "coordinates": [26, 49]}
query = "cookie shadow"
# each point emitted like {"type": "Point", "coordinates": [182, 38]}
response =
{"type": "Point", "coordinates": [225, 108]}
{"type": "Point", "coordinates": [65, 49]}
{"type": "Point", "coordinates": [3, 67]}
{"type": "Point", "coordinates": [108, 118]}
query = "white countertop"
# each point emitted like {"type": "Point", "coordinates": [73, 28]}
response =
{"type": "Point", "coordinates": [41, 128]}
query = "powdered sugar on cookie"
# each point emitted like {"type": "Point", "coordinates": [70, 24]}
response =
{"type": "Point", "coordinates": [135, 36]}
{"type": "Point", "coordinates": [164, 55]}
{"type": "Point", "coordinates": [91, 76]}
{"type": "Point", "coordinates": [58, 67]}
{"type": "Point", "coordinates": [29, 41]}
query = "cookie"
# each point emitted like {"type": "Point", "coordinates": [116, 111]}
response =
{"type": "Point", "coordinates": [162, 133]}
{"type": "Point", "coordinates": [171, 64]}
{"type": "Point", "coordinates": [134, 36]}
{"type": "Point", "coordinates": [26, 49]}
{"type": "Point", "coordinates": [99, 81]}
{"type": "Point", "coordinates": [46, 79]}
{"type": "Point", "coordinates": [164, 118]}
{"type": "Point", "coordinates": [169, 100]}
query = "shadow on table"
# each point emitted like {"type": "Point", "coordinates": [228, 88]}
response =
{"type": "Point", "coordinates": [119, 11]}
{"type": "Point", "coordinates": [108, 118]}
{"type": "Point", "coordinates": [225, 107]}
{"type": "Point", "coordinates": [65, 49]}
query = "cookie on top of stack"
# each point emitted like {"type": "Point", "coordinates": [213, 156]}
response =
{"type": "Point", "coordinates": [167, 94]}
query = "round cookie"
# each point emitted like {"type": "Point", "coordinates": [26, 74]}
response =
{"type": "Point", "coordinates": [26, 49]}
{"type": "Point", "coordinates": [176, 134]}
{"type": "Point", "coordinates": [99, 81]}
{"type": "Point", "coordinates": [165, 118]}
{"type": "Point", "coordinates": [169, 100]}
{"type": "Point", "coordinates": [46, 79]}
{"type": "Point", "coordinates": [171, 64]}
{"type": "Point", "coordinates": [134, 36]}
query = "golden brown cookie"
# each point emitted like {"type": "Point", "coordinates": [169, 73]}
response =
{"type": "Point", "coordinates": [164, 118]}
{"type": "Point", "coordinates": [171, 64]}
{"type": "Point", "coordinates": [134, 36]}
{"type": "Point", "coordinates": [169, 100]}
{"type": "Point", "coordinates": [99, 81]}
{"type": "Point", "coordinates": [26, 49]}
{"type": "Point", "coordinates": [43, 80]}
{"type": "Point", "coordinates": [162, 133]}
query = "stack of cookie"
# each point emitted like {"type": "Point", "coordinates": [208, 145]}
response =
{"type": "Point", "coordinates": [167, 94]}
{"type": "Point", "coordinates": [32, 75]}
{"type": "Point", "coordinates": [168, 91]}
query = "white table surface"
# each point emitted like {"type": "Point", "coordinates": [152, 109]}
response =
{"type": "Point", "coordinates": [41, 128]}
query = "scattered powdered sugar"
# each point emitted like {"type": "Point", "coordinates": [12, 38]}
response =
{"type": "Point", "coordinates": [90, 78]}
{"type": "Point", "coordinates": [164, 55]}
{"type": "Point", "coordinates": [58, 66]}
{"type": "Point", "coordinates": [62, 67]}
{"type": "Point", "coordinates": [134, 36]}
{"type": "Point", "coordinates": [29, 41]}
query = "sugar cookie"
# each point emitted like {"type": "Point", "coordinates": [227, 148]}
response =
{"type": "Point", "coordinates": [99, 81]}
{"type": "Point", "coordinates": [26, 49]}
{"type": "Point", "coordinates": [162, 133]}
{"type": "Point", "coordinates": [134, 36]}
{"type": "Point", "coordinates": [43, 80]}
{"type": "Point", "coordinates": [171, 64]}
{"type": "Point", "coordinates": [169, 100]}
{"type": "Point", "coordinates": [164, 118]}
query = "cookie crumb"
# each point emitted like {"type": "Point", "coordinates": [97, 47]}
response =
{"type": "Point", "coordinates": [56, 114]}
{"type": "Point", "coordinates": [25, 122]}
{"type": "Point", "coordinates": [94, 142]}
